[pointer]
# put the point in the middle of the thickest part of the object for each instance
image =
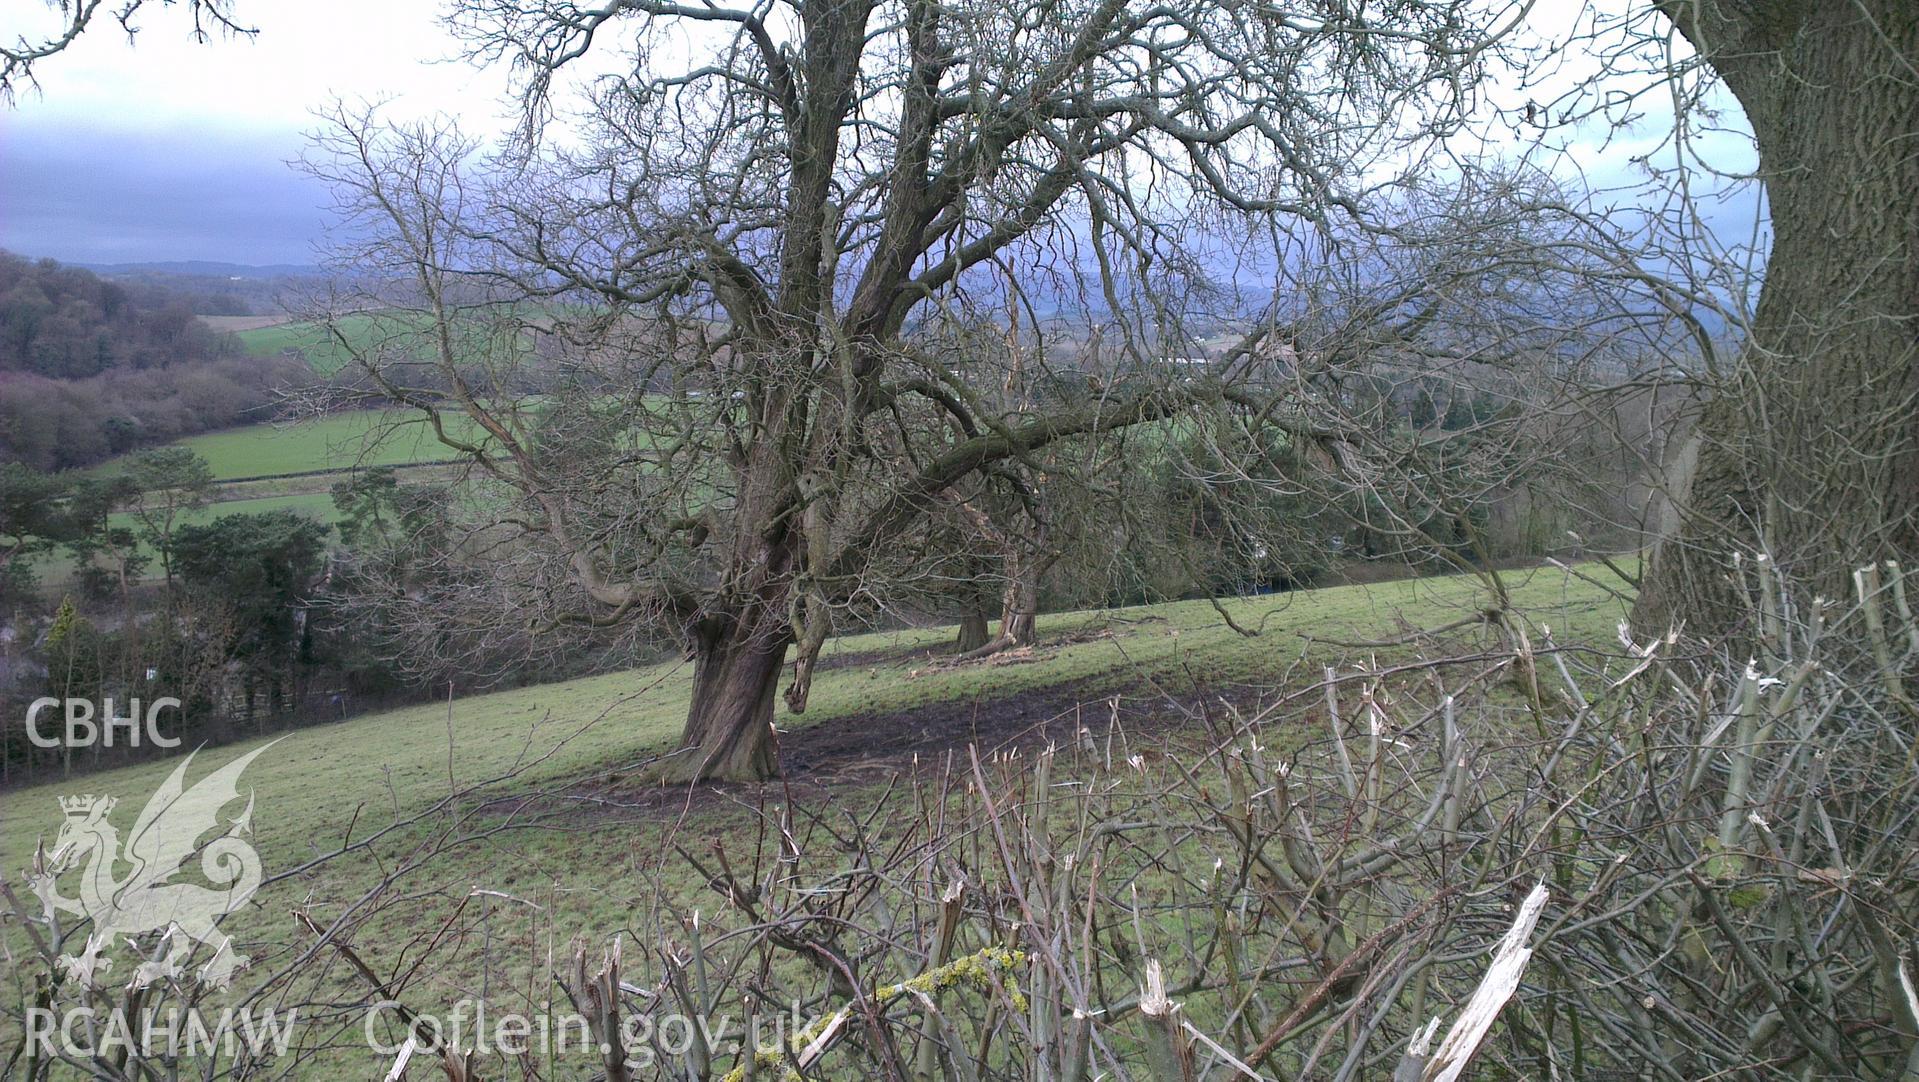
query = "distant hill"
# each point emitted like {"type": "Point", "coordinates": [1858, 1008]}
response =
{"type": "Point", "coordinates": [201, 268]}
{"type": "Point", "coordinates": [212, 288]}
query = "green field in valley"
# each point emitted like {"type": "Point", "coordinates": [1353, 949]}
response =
{"type": "Point", "coordinates": [57, 567]}
{"type": "Point", "coordinates": [322, 346]}
{"type": "Point", "coordinates": [317, 505]}
{"type": "Point", "coordinates": [323, 352]}
{"type": "Point", "coordinates": [320, 450]}
{"type": "Point", "coordinates": [337, 441]}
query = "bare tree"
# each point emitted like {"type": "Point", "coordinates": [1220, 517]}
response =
{"type": "Point", "coordinates": [1471, 359]}
{"type": "Point", "coordinates": [740, 257]}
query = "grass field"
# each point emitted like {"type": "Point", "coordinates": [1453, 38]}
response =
{"type": "Point", "coordinates": [335, 442]}
{"type": "Point", "coordinates": [315, 780]}
{"type": "Point", "coordinates": [322, 449]}
{"type": "Point", "coordinates": [321, 346]}
{"type": "Point", "coordinates": [58, 567]}
{"type": "Point", "coordinates": [583, 868]}
{"type": "Point", "coordinates": [323, 354]}
{"type": "Point", "coordinates": [313, 504]}
{"type": "Point", "coordinates": [236, 324]}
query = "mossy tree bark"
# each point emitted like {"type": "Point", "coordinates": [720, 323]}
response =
{"type": "Point", "coordinates": [729, 723]}
{"type": "Point", "coordinates": [974, 630]}
{"type": "Point", "coordinates": [1806, 452]}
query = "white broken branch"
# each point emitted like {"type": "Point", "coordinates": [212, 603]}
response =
{"type": "Point", "coordinates": [1449, 1061]}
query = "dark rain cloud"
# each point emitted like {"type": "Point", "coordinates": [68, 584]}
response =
{"type": "Point", "coordinates": [92, 190]}
{"type": "Point", "coordinates": [93, 195]}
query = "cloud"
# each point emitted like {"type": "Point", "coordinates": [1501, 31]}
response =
{"type": "Point", "coordinates": [166, 148]}
{"type": "Point", "coordinates": [113, 196]}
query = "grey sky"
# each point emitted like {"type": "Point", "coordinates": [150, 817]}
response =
{"type": "Point", "coordinates": [172, 150]}
{"type": "Point", "coordinates": [120, 196]}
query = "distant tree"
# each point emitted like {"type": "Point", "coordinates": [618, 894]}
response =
{"type": "Point", "coordinates": [72, 654]}
{"type": "Point", "coordinates": [95, 539]}
{"type": "Point", "coordinates": [24, 309]}
{"type": "Point", "coordinates": [375, 512]}
{"type": "Point", "coordinates": [166, 483]}
{"type": "Point", "coordinates": [1246, 523]}
{"type": "Point", "coordinates": [32, 517]}
{"type": "Point", "coordinates": [263, 567]}
{"type": "Point", "coordinates": [122, 432]}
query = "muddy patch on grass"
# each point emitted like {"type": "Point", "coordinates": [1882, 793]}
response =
{"type": "Point", "coordinates": [879, 745]}
{"type": "Point", "coordinates": [893, 738]}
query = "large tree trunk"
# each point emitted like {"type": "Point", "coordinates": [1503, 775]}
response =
{"type": "Point", "coordinates": [1019, 602]}
{"type": "Point", "coordinates": [729, 723]}
{"type": "Point", "coordinates": [739, 647]}
{"type": "Point", "coordinates": [740, 636]}
{"type": "Point", "coordinates": [1807, 453]}
{"type": "Point", "coordinates": [1019, 610]}
{"type": "Point", "coordinates": [974, 630]}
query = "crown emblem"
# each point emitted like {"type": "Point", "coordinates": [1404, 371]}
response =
{"type": "Point", "coordinates": [87, 805]}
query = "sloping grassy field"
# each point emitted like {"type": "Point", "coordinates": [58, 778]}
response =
{"type": "Point", "coordinates": [315, 780]}
{"type": "Point", "coordinates": [310, 340]}
{"type": "Point", "coordinates": [594, 861]}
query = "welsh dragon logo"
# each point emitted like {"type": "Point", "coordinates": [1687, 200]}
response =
{"type": "Point", "coordinates": [165, 836]}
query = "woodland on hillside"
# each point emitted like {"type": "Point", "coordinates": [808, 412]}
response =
{"type": "Point", "coordinates": [91, 368]}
